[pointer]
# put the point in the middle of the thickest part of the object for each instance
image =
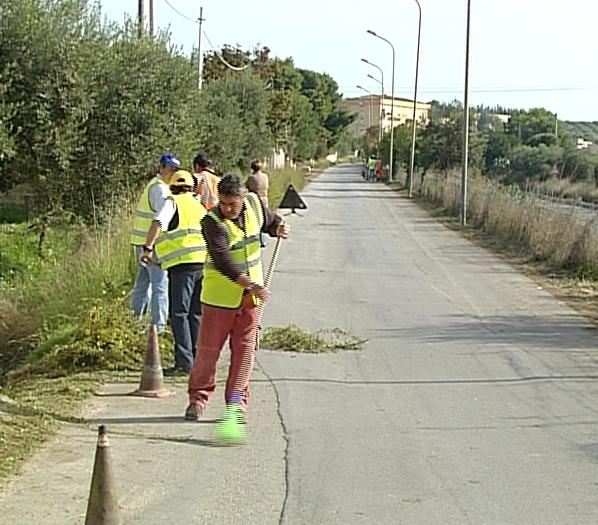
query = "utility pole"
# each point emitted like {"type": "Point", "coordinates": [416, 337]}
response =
{"type": "Point", "coordinates": [556, 125]}
{"type": "Point", "coordinates": [151, 18]}
{"type": "Point", "coordinates": [140, 16]}
{"type": "Point", "coordinates": [201, 20]}
{"type": "Point", "coordinates": [463, 214]}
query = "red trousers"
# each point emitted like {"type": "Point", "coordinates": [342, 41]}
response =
{"type": "Point", "coordinates": [218, 324]}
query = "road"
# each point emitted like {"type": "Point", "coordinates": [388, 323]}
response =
{"type": "Point", "coordinates": [474, 401]}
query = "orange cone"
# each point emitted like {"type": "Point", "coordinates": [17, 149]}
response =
{"type": "Point", "coordinates": [102, 507]}
{"type": "Point", "coordinates": [152, 378]}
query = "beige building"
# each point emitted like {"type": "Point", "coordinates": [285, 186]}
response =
{"type": "Point", "coordinates": [369, 108]}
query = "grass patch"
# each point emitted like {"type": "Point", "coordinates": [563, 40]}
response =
{"type": "Point", "coordinates": [291, 338]}
{"type": "Point", "coordinates": [32, 410]}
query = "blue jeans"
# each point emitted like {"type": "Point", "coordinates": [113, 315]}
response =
{"type": "Point", "coordinates": [151, 287]}
{"type": "Point", "coordinates": [185, 311]}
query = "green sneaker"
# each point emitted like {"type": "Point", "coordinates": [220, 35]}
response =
{"type": "Point", "coordinates": [230, 430]}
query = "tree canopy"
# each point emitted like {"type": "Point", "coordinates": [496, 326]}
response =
{"type": "Point", "coordinates": [87, 106]}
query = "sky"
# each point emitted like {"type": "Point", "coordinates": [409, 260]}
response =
{"type": "Point", "coordinates": [523, 53]}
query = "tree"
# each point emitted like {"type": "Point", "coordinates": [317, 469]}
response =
{"type": "Point", "coordinates": [525, 124]}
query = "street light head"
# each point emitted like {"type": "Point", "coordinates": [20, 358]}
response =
{"type": "Point", "coordinates": [364, 60]}
{"type": "Point", "coordinates": [373, 78]}
{"type": "Point", "coordinates": [371, 32]}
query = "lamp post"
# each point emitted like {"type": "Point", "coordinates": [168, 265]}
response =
{"type": "Point", "coordinates": [463, 214]}
{"type": "Point", "coordinates": [413, 123]}
{"type": "Point", "coordinates": [370, 110]}
{"type": "Point", "coordinates": [381, 84]}
{"type": "Point", "coordinates": [392, 99]}
{"type": "Point", "coordinates": [381, 95]}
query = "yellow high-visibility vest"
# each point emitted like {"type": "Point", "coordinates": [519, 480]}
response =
{"type": "Point", "coordinates": [244, 248]}
{"type": "Point", "coordinates": [144, 214]}
{"type": "Point", "coordinates": [185, 244]}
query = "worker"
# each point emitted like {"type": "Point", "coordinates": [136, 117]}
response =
{"type": "Point", "coordinates": [175, 236]}
{"type": "Point", "coordinates": [257, 182]}
{"type": "Point", "coordinates": [231, 291]}
{"type": "Point", "coordinates": [207, 180]}
{"type": "Point", "coordinates": [151, 281]}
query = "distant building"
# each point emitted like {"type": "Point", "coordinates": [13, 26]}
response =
{"type": "Point", "coordinates": [370, 108]}
{"type": "Point", "coordinates": [583, 144]}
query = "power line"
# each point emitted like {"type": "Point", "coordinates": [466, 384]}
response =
{"type": "Point", "coordinates": [222, 59]}
{"type": "Point", "coordinates": [501, 90]}
{"type": "Point", "coordinates": [179, 13]}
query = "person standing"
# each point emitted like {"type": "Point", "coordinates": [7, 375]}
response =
{"type": "Point", "coordinates": [207, 180]}
{"type": "Point", "coordinates": [231, 291]}
{"type": "Point", "coordinates": [257, 182]}
{"type": "Point", "coordinates": [175, 235]}
{"type": "Point", "coordinates": [151, 281]}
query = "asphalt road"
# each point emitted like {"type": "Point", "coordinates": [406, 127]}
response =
{"type": "Point", "coordinates": [474, 401]}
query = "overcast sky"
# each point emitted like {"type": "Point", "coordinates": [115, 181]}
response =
{"type": "Point", "coordinates": [524, 53]}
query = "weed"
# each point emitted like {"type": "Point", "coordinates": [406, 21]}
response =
{"type": "Point", "coordinates": [291, 338]}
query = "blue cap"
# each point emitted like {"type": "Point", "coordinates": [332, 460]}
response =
{"type": "Point", "coordinates": [169, 159]}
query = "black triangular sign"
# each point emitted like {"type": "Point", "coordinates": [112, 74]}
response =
{"type": "Point", "coordinates": [292, 200]}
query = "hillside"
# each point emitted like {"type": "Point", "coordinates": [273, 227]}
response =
{"type": "Point", "coordinates": [585, 130]}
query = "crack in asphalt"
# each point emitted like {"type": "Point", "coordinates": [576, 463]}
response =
{"type": "Point", "coordinates": [285, 435]}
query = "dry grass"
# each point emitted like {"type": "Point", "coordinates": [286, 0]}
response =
{"type": "Point", "coordinates": [565, 238]}
{"type": "Point", "coordinates": [564, 188]}
{"type": "Point", "coordinates": [549, 244]}
{"type": "Point", "coordinates": [291, 338]}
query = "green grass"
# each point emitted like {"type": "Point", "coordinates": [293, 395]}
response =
{"type": "Point", "coordinates": [23, 260]}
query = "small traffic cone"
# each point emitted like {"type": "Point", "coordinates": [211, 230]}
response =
{"type": "Point", "coordinates": [152, 377]}
{"type": "Point", "coordinates": [102, 507]}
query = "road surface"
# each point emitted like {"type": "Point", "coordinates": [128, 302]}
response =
{"type": "Point", "coordinates": [474, 401]}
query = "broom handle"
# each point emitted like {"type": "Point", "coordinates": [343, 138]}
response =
{"type": "Point", "coordinates": [270, 271]}
{"type": "Point", "coordinates": [244, 371]}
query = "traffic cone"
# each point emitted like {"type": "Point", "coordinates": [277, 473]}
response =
{"type": "Point", "coordinates": [102, 507]}
{"type": "Point", "coordinates": [152, 377]}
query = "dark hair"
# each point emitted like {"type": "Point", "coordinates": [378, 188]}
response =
{"type": "Point", "coordinates": [177, 190]}
{"type": "Point", "coordinates": [202, 160]}
{"type": "Point", "coordinates": [231, 185]}
{"type": "Point", "coordinates": [256, 166]}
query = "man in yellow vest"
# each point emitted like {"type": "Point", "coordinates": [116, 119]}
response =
{"type": "Point", "coordinates": [232, 286]}
{"type": "Point", "coordinates": [207, 180]}
{"type": "Point", "coordinates": [151, 283]}
{"type": "Point", "coordinates": [175, 236]}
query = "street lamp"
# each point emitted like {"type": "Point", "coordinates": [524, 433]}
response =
{"type": "Point", "coordinates": [413, 126]}
{"type": "Point", "coordinates": [370, 110]}
{"type": "Point", "coordinates": [463, 214]}
{"type": "Point", "coordinates": [381, 95]}
{"type": "Point", "coordinates": [392, 100]}
{"type": "Point", "coordinates": [381, 84]}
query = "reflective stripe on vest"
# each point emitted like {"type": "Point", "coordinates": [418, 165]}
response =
{"type": "Point", "coordinates": [244, 249]}
{"type": "Point", "coordinates": [144, 214]}
{"type": "Point", "coordinates": [185, 244]}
